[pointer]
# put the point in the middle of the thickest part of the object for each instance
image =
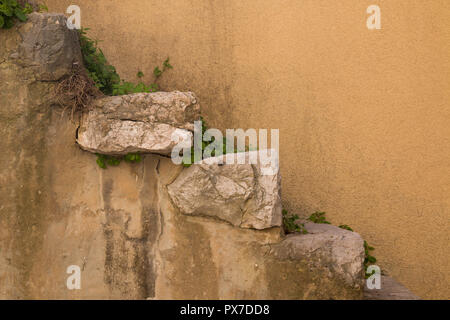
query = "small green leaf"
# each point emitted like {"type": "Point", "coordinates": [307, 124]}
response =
{"type": "Point", "coordinates": [20, 14]}
{"type": "Point", "coordinates": [154, 87]}
{"type": "Point", "coordinates": [346, 227]}
{"type": "Point", "coordinates": [9, 23]}
{"type": "Point", "coordinates": [7, 10]}
{"type": "Point", "coordinates": [167, 65]}
{"type": "Point", "coordinates": [157, 72]}
{"type": "Point", "coordinates": [101, 163]}
{"type": "Point", "coordinates": [43, 7]}
{"type": "Point", "coordinates": [28, 9]}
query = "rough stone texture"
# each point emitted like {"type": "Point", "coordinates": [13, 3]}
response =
{"type": "Point", "coordinates": [237, 193]}
{"type": "Point", "coordinates": [48, 47]}
{"type": "Point", "coordinates": [58, 208]}
{"type": "Point", "coordinates": [141, 122]}
{"type": "Point", "coordinates": [326, 246]}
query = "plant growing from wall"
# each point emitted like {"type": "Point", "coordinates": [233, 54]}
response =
{"type": "Point", "coordinates": [104, 161]}
{"type": "Point", "coordinates": [318, 217]}
{"type": "Point", "coordinates": [290, 223]}
{"type": "Point", "coordinates": [105, 75]}
{"type": "Point", "coordinates": [11, 11]}
{"type": "Point", "coordinates": [345, 227]}
{"type": "Point", "coordinates": [368, 258]}
{"type": "Point", "coordinates": [99, 70]}
{"type": "Point", "coordinates": [43, 7]}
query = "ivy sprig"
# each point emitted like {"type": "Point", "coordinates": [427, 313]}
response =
{"type": "Point", "coordinates": [10, 11]}
{"type": "Point", "coordinates": [104, 161]}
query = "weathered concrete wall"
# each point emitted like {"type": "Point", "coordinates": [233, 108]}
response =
{"type": "Point", "coordinates": [58, 209]}
{"type": "Point", "coordinates": [363, 114]}
{"type": "Point", "coordinates": [28, 72]}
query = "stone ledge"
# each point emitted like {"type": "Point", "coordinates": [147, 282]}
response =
{"type": "Point", "coordinates": [141, 122]}
{"type": "Point", "coordinates": [236, 193]}
{"type": "Point", "coordinates": [339, 251]}
{"type": "Point", "coordinates": [390, 290]}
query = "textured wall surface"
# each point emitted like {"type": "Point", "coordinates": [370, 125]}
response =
{"type": "Point", "coordinates": [119, 225]}
{"type": "Point", "coordinates": [363, 113]}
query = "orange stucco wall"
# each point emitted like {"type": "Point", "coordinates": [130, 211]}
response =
{"type": "Point", "coordinates": [363, 114]}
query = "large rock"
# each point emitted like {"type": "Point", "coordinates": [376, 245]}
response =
{"type": "Point", "coordinates": [241, 194]}
{"type": "Point", "coordinates": [48, 47]}
{"type": "Point", "coordinates": [340, 252]}
{"type": "Point", "coordinates": [141, 122]}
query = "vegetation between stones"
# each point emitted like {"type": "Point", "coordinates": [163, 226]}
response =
{"type": "Point", "coordinates": [318, 217]}
{"type": "Point", "coordinates": [290, 223]}
{"type": "Point", "coordinates": [104, 161]}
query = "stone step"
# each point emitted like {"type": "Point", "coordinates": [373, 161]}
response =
{"type": "Point", "coordinates": [390, 290]}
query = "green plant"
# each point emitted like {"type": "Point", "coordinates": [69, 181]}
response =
{"type": "Point", "coordinates": [346, 227]}
{"type": "Point", "coordinates": [290, 225]}
{"type": "Point", "coordinates": [368, 258]}
{"type": "Point", "coordinates": [318, 217]}
{"type": "Point", "coordinates": [157, 72]}
{"type": "Point", "coordinates": [167, 65]}
{"type": "Point", "coordinates": [125, 87]}
{"type": "Point", "coordinates": [107, 80]}
{"type": "Point", "coordinates": [43, 7]}
{"type": "Point", "coordinates": [105, 75]}
{"type": "Point", "coordinates": [104, 161]}
{"type": "Point", "coordinates": [133, 158]}
{"type": "Point", "coordinates": [99, 70]}
{"type": "Point", "coordinates": [11, 10]}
